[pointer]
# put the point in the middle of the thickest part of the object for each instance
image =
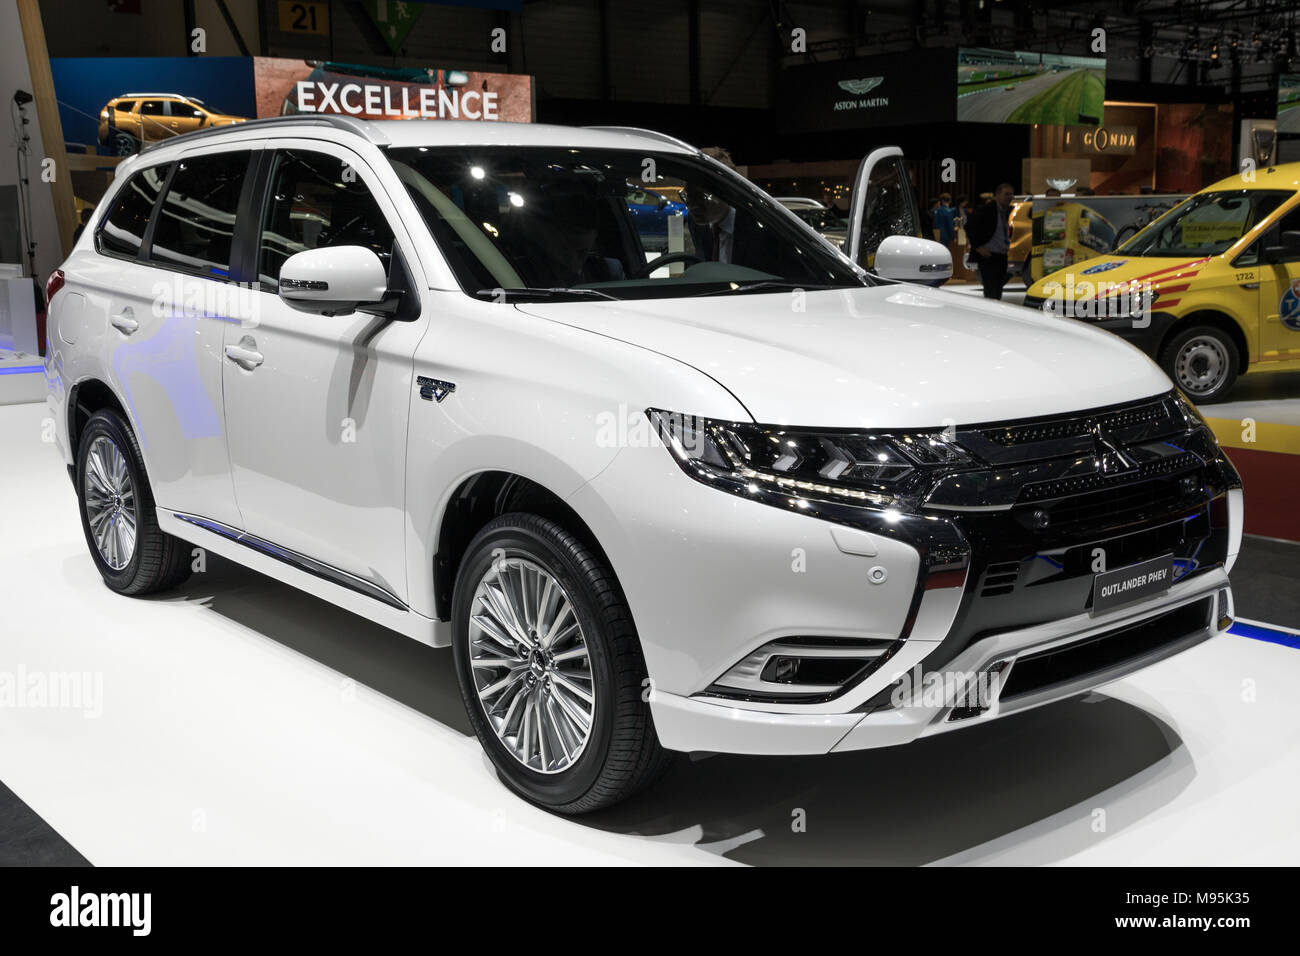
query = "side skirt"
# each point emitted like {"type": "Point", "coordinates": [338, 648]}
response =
{"type": "Point", "coordinates": [321, 580]}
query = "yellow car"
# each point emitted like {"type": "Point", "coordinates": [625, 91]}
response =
{"type": "Point", "coordinates": [1210, 290]}
{"type": "Point", "coordinates": [132, 120]}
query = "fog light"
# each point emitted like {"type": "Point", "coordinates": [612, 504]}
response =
{"type": "Point", "coordinates": [803, 667]}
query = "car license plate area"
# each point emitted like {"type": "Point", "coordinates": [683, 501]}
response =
{"type": "Point", "coordinates": [1112, 589]}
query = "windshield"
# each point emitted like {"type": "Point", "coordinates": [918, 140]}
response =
{"type": "Point", "coordinates": [1207, 224]}
{"type": "Point", "coordinates": [615, 223]}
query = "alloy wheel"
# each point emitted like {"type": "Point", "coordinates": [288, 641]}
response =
{"type": "Point", "coordinates": [530, 665]}
{"type": "Point", "coordinates": [110, 503]}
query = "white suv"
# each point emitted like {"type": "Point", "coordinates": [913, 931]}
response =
{"type": "Point", "coordinates": [739, 496]}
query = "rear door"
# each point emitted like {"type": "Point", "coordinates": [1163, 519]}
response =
{"type": "Point", "coordinates": [167, 293]}
{"type": "Point", "coordinates": [883, 203]}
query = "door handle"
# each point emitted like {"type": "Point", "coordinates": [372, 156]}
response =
{"type": "Point", "coordinates": [124, 321]}
{"type": "Point", "coordinates": [243, 356]}
{"type": "Point", "coordinates": [1250, 285]}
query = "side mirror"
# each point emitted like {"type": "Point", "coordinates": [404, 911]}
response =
{"type": "Point", "coordinates": [911, 259]}
{"type": "Point", "coordinates": [333, 279]}
{"type": "Point", "coordinates": [1288, 249]}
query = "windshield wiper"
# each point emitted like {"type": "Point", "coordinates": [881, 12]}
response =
{"type": "Point", "coordinates": [552, 293]}
{"type": "Point", "coordinates": [769, 284]}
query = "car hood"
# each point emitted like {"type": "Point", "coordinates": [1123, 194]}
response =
{"type": "Point", "coordinates": [890, 356]}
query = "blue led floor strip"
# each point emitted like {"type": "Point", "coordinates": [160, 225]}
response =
{"type": "Point", "coordinates": [1254, 631]}
{"type": "Point", "coordinates": [20, 369]}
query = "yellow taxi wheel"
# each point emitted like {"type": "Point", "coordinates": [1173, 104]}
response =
{"type": "Point", "coordinates": [1202, 361]}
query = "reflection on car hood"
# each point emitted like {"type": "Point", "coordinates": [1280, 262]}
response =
{"type": "Point", "coordinates": [892, 356]}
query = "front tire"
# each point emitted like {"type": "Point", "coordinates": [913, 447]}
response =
{"type": "Point", "coordinates": [1202, 361]}
{"type": "Point", "coordinates": [132, 554]}
{"type": "Point", "coordinates": [550, 667]}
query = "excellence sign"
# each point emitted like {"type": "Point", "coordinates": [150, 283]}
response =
{"type": "Point", "coordinates": [286, 87]}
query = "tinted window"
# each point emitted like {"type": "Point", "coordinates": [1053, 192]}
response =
{"type": "Point", "coordinates": [153, 108]}
{"type": "Point", "coordinates": [557, 218]}
{"type": "Point", "coordinates": [890, 207]}
{"type": "Point", "coordinates": [123, 229]}
{"type": "Point", "coordinates": [316, 201]}
{"type": "Point", "coordinates": [125, 106]}
{"type": "Point", "coordinates": [196, 222]}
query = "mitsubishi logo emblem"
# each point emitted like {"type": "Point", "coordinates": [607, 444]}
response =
{"type": "Point", "coordinates": [1111, 459]}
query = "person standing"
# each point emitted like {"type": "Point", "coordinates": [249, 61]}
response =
{"type": "Point", "coordinates": [945, 225]}
{"type": "Point", "coordinates": [989, 232]}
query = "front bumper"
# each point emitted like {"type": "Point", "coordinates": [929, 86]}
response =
{"type": "Point", "coordinates": [684, 723]}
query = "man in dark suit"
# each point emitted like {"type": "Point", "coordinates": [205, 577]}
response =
{"type": "Point", "coordinates": [988, 230]}
{"type": "Point", "coordinates": [721, 232]}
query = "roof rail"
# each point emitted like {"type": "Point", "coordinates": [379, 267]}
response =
{"type": "Point", "coordinates": [649, 133]}
{"type": "Point", "coordinates": [349, 123]}
{"type": "Point", "coordinates": [179, 96]}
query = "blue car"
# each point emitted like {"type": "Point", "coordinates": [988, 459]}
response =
{"type": "Point", "coordinates": [650, 211]}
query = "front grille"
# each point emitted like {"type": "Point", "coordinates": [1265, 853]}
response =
{"type": "Point", "coordinates": [1055, 668]}
{"type": "Point", "coordinates": [1116, 508]}
{"type": "Point", "coordinates": [1146, 413]}
{"type": "Point", "coordinates": [1172, 465]}
{"type": "Point", "coordinates": [1042, 518]}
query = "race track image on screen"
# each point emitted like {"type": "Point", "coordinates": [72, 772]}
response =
{"type": "Point", "coordinates": [997, 86]}
{"type": "Point", "coordinates": [1288, 103]}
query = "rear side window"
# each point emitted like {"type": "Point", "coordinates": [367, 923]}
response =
{"type": "Point", "coordinates": [196, 221]}
{"type": "Point", "coordinates": [123, 228]}
{"type": "Point", "coordinates": [153, 108]}
{"type": "Point", "coordinates": [316, 201]}
{"type": "Point", "coordinates": [125, 106]}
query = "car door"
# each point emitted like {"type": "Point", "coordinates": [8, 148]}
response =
{"type": "Point", "coordinates": [167, 291]}
{"type": "Point", "coordinates": [317, 405]}
{"type": "Point", "coordinates": [883, 203]}
{"type": "Point", "coordinates": [184, 117]}
{"type": "Point", "coordinates": [1279, 291]}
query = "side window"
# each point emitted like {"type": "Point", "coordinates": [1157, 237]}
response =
{"type": "Point", "coordinates": [316, 201]}
{"type": "Point", "coordinates": [122, 230]}
{"type": "Point", "coordinates": [125, 106]}
{"type": "Point", "coordinates": [1290, 221]}
{"type": "Point", "coordinates": [153, 108]}
{"type": "Point", "coordinates": [890, 207]}
{"type": "Point", "coordinates": [196, 222]}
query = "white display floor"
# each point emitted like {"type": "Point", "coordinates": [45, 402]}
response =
{"type": "Point", "coordinates": [242, 722]}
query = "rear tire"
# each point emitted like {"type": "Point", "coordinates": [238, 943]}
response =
{"type": "Point", "coordinates": [132, 554]}
{"type": "Point", "coordinates": [539, 626]}
{"type": "Point", "coordinates": [1202, 361]}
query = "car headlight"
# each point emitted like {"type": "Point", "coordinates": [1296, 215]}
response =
{"type": "Point", "coordinates": [885, 470]}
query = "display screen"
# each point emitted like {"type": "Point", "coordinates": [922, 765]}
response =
{"type": "Point", "coordinates": [997, 86]}
{"type": "Point", "coordinates": [1288, 103]}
